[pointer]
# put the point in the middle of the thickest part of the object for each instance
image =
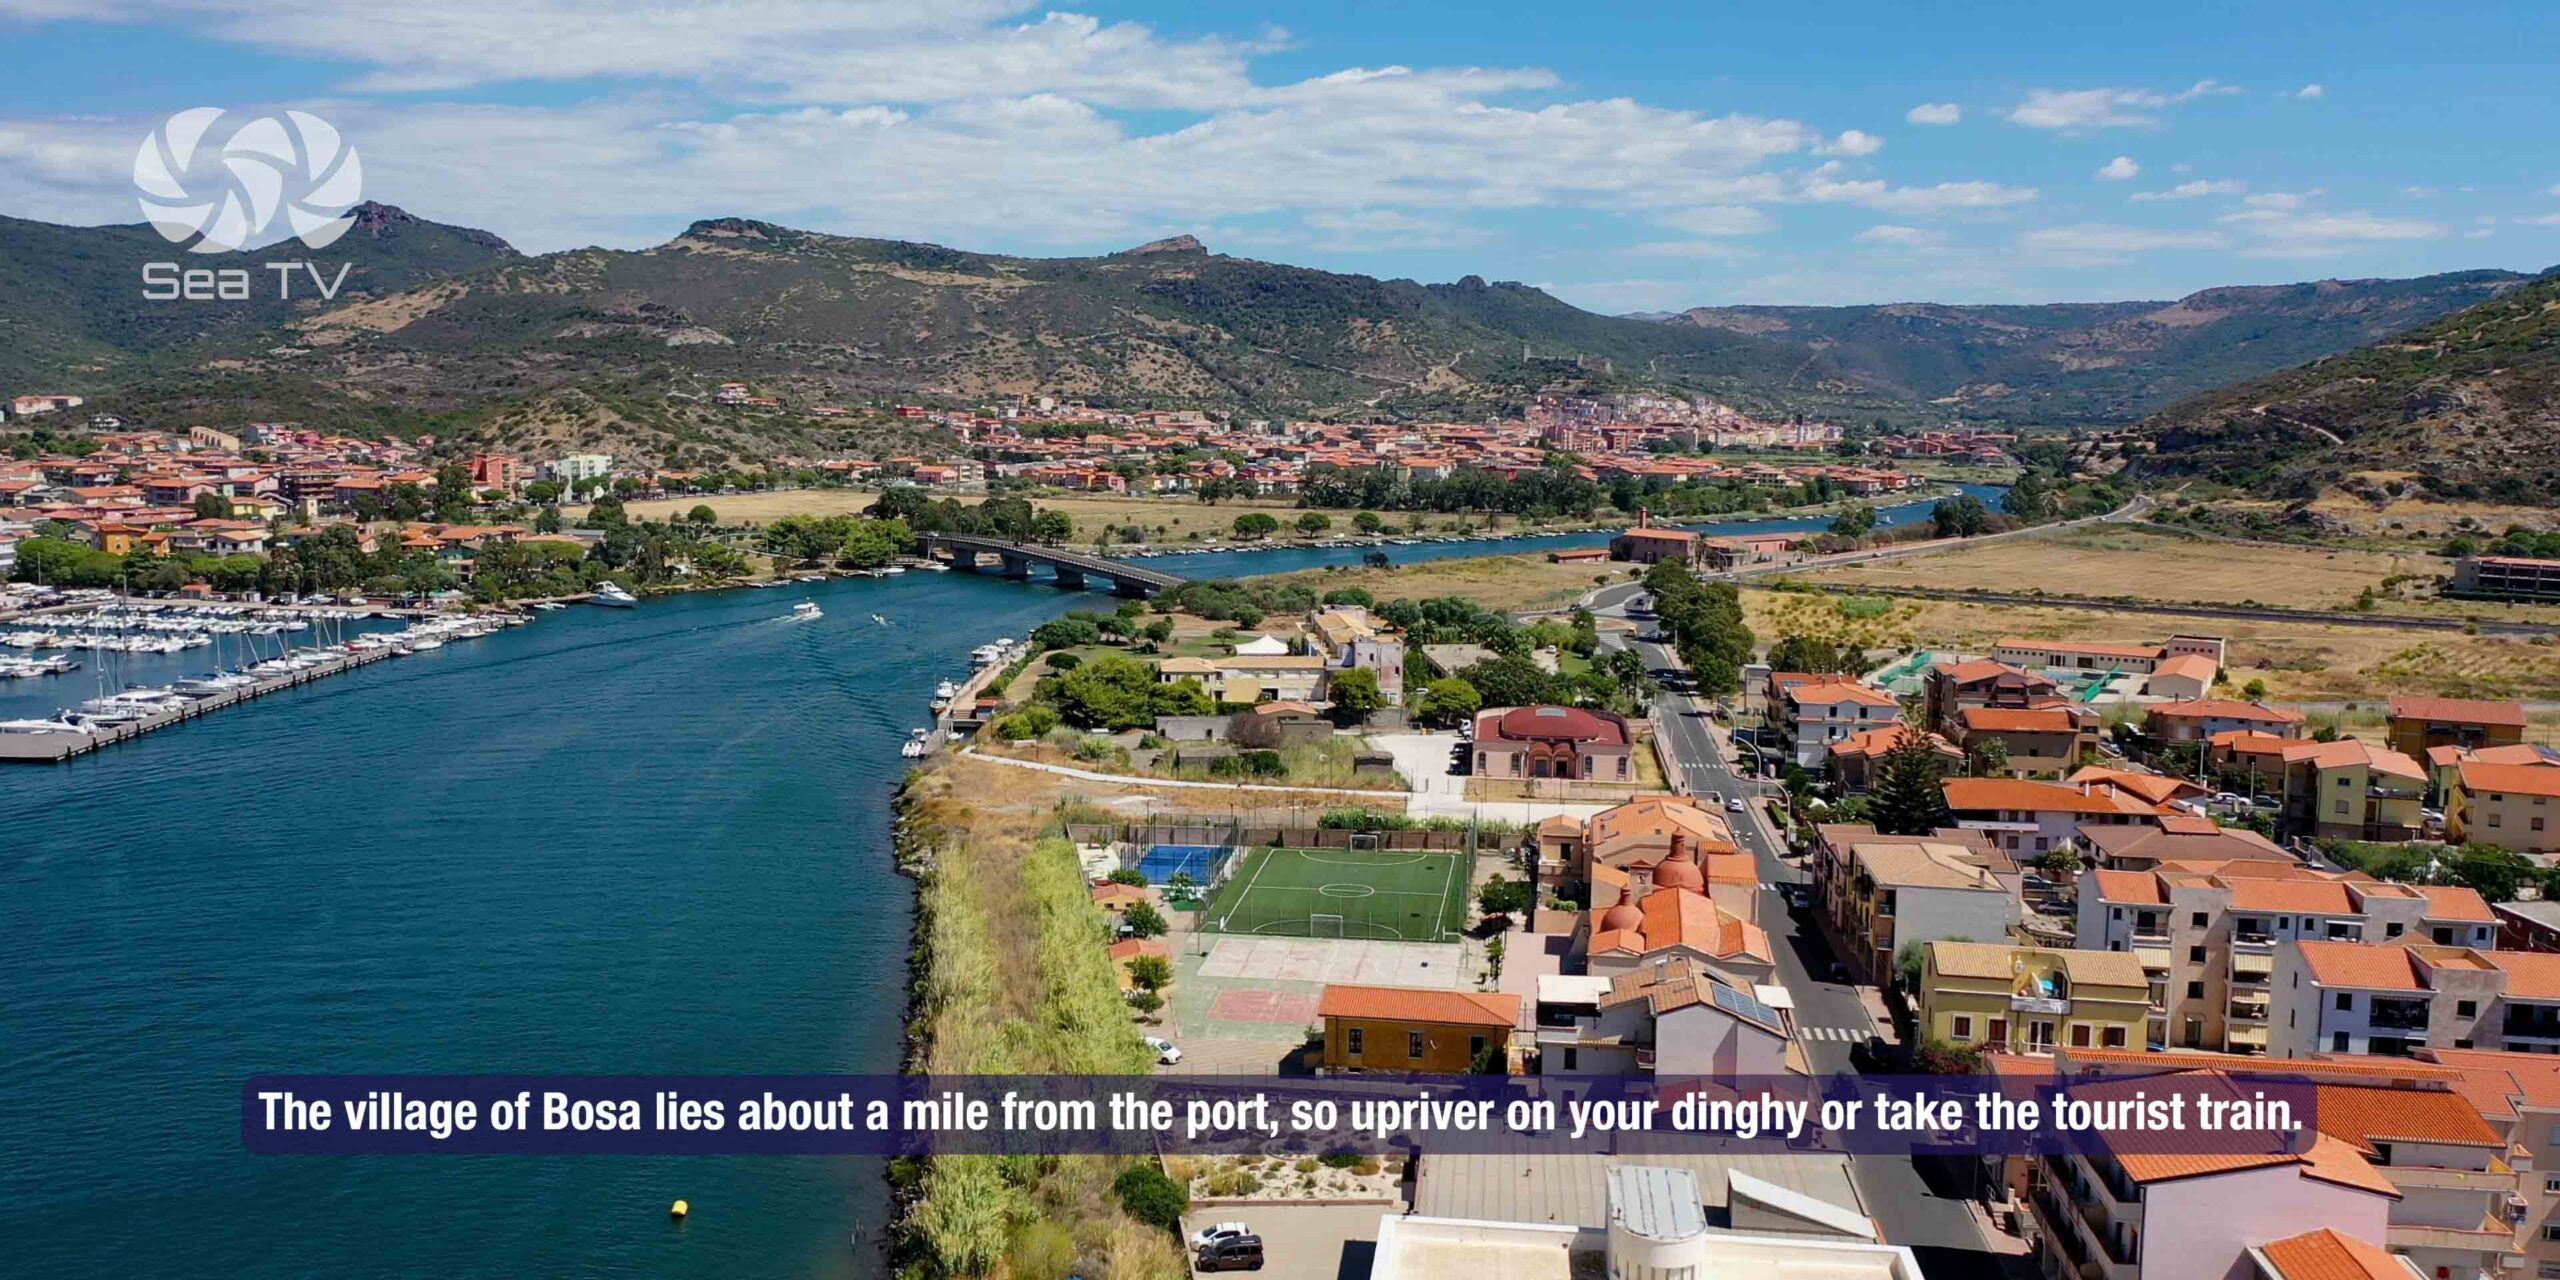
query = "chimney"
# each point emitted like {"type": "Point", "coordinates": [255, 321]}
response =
{"type": "Point", "coordinates": [1644, 517]}
{"type": "Point", "coordinates": [1679, 842]}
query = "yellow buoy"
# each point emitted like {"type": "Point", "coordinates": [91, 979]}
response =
{"type": "Point", "coordinates": [679, 1209]}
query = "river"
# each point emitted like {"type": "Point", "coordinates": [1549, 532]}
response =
{"type": "Point", "coordinates": [647, 840]}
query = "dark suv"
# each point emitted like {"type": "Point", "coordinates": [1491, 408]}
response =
{"type": "Point", "coordinates": [1231, 1253]}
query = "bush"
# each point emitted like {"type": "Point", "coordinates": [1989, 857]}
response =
{"type": "Point", "coordinates": [1340, 1159]}
{"type": "Point", "coordinates": [1150, 1197]}
{"type": "Point", "coordinates": [1030, 722]}
{"type": "Point", "coordinates": [1064, 662]}
{"type": "Point", "coordinates": [1231, 1182]}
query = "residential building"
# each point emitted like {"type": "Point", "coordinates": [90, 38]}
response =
{"type": "Point", "coordinates": [1402, 1029]}
{"type": "Point", "coordinates": [2146, 1215]}
{"type": "Point", "coordinates": [2518, 1096]}
{"type": "Point", "coordinates": [2180, 838]}
{"type": "Point", "coordinates": [2038, 741]}
{"type": "Point", "coordinates": [2200, 720]}
{"type": "Point", "coordinates": [1583, 744]}
{"type": "Point", "coordinates": [2031, 818]}
{"type": "Point", "coordinates": [1889, 892]}
{"type": "Point", "coordinates": [2507, 577]}
{"type": "Point", "coordinates": [2350, 790]}
{"type": "Point", "coordinates": [2417, 725]}
{"type": "Point", "coordinates": [2390, 1000]}
{"type": "Point", "coordinates": [1646, 544]}
{"type": "Point", "coordinates": [1807, 720]}
{"type": "Point", "coordinates": [2507, 805]}
{"type": "Point", "coordinates": [571, 468]}
{"type": "Point", "coordinates": [1854, 759]}
{"type": "Point", "coordinates": [2207, 934]}
{"type": "Point", "coordinates": [1245, 679]}
{"type": "Point", "coordinates": [1952, 686]}
{"type": "Point", "coordinates": [1348, 637]}
{"type": "Point", "coordinates": [2528, 926]}
{"type": "Point", "coordinates": [2013, 998]}
{"type": "Point", "coordinates": [2183, 678]}
{"type": "Point", "coordinates": [1677, 1017]}
{"type": "Point", "coordinates": [1653, 1226]}
{"type": "Point", "coordinates": [2135, 659]}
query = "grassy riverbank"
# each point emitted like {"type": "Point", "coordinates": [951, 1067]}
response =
{"type": "Point", "coordinates": [1012, 977]}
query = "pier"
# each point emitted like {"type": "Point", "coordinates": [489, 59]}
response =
{"type": "Point", "coordinates": [54, 748]}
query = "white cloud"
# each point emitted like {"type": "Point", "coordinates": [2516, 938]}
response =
{"type": "Point", "coordinates": [2478, 233]}
{"type": "Point", "coordinates": [2280, 199]}
{"type": "Point", "coordinates": [1717, 220]}
{"type": "Point", "coordinates": [2098, 244]}
{"type": "Point", "coordinates": [2195, 190]}
{"type": "Point", "coordinates": [1853, 142]}
{"type": "Point", "coordinates": [1887, 233]}
{"type": "Point", "coordinates": [2417, 193]}
{"type": "Point", "coordinates": [1932, 199]}
{"type": "Point", "coordinates": [2296, 233]}
{"type": "Point", "coordinates": [2552, 190]}
{"type": "Point", "coordinates": [1720, 249]}
{"type": "Point", "coordinates": [1934, 113]}
{"type": "Point", "coordinates": [2118, 169]}
{"type": "Point", "coordinates": [2104, 108]}
{"type": "Point", "coordinates": [2539, 220]}
{"type": "Point", "coordinates": [2309, 91]}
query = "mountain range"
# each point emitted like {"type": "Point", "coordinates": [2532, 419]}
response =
{"type": "Point", "coordinates": [447, 329]}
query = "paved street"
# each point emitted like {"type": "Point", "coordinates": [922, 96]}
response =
{"type": "Point", "coordinates": [1830, 1018]}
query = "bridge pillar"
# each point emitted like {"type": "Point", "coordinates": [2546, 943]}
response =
{"type": "Point", "coordinates": [1069, 576]}
{"type": "Point", "coordinates": [1015, 566]}
{"type": "Point", "coordinates": [1132, 587]}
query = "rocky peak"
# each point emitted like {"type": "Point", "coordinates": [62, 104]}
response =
{"type": "Point", "coordinates": [1170, 244]}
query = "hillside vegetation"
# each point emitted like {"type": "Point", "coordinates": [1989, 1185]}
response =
{"type": "Point", "coordinates": [2464, 408]}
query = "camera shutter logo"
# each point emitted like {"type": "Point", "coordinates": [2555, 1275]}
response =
{"type": "Point", "coordinates": [292, 170]}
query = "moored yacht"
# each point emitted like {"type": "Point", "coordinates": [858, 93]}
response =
{"type": "Point", "coordinates": [612, 597]}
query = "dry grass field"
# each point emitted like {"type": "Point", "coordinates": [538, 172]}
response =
{"type": "Point", "coordinates": [2300, 661]}
{"type": "Point", "coordinates": [1509, 583]}
{"type": "Point", "coordinates": [2143, 564]}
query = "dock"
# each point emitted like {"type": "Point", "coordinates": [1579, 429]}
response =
{"type": "Point", "coordinates": [55, 748]}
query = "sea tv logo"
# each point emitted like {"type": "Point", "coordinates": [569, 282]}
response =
{"type": "Point", "coordinates": [289, 173]}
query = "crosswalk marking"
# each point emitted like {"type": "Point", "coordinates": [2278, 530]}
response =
{"type": "Point", "coordinates": [1847, 1035]}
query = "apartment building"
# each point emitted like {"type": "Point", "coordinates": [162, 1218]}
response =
{"type": "Point", "coordinates": [2518, 1097]}
{"type": "Point", "coordinates": [1854, 760]}
{"type": "Point", "coordinates": [1888, 892]}
{"type": "Point", "coordinates": [2340, 997]}
{"type": "Point", "coordinates": [2200, 720]}
{"type": "Point", "coordinates": [2510, 577]}
{"type": "Point", "coordinates": [1981, 682]}
{"type": "Point", "coordinates": [2207, 936]}
{"type": "Point", "coordinates": [2507, 805]}
{"type": "Point", "coordinates": [2013, 998]}
{"type": "Point", "coordinates": [2350, 790]}
{"type": "Point", "coordinates": [2108, 1215]}
{"type": "Point", "coordinates": [2038, 742]}
{"type": "Point", "coordinates": [1677, 1017]}
{"type": "Point", "coordinates": [2031, 818]}
{"type": "Point", "coordinates": [2137, 659]}
{"type": "Point", "coordinates": [1806, 720]}
{"type": "Point", "coordinates": [2416, 725]}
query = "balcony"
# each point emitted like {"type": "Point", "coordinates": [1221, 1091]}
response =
{"type": "Point", "coordinates": [2247, 1009]}
{"type": "Point", "coordinates": [2399, 1016]}
{"type": "Point", "coordinates": [2154, 936]}
{"type": "Point", "coordinates": [2246, 1037]}
{"type": "Point", "coordinates": [2531, 1022]}
{"type": "Point", "coordinates": [2251, 968]}
{"type": "Point", "coordinates": [2024, 1003]}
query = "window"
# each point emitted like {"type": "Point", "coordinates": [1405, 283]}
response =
{"type": "Point", "coordinates": [2195, 991]}
{"type": "Point", "coordinates": [2346, 1001]}
{"type": "Point", "coordinates": [1413, 1044]}
{"type": "Point", "coordinates": [2115, 1038]}
{"type": "Point", "coordinates": [2338, 1042]}
{"type": "Point", "coordinates": [2465, 1008]}
{"type": "Point", "coordinates": [2493, 820]}
{"type": "Point", "coordinates": [1571, 1059]}
{"type": "Point", "coordinates": [2340, 808]}
{"type": "Point", "coordinates": [2115, 913]}
{"type": "Point", "coordinates": [2197, 920]}
{"type": "Point", "coordinates": [2252, 924]}
{"type": "Point", "coordinates": [2391, 930]}
{"type": "Point", "coordinates": [2195, 955]}
{"type": "Point", "coordinates": [2079, 1035]}
{"type": "Point", "coordinates": [1475, 1047]}
{"type": "Point", "coordinates": [1962, 1027]}
{"type": "Point", "coordinates": [2551, 1231]}
{"type": "Point", "coordinates": [2537, 824]}
{"type": "Point", "coordinates": [2551, 1184]}
{"type": "Point", "coordinates": [1351, 1042]}
{"type": "Point", "coordinates": [2342, 780]}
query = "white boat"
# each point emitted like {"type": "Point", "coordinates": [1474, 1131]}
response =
{"type": "Point", "coordinates": [807, 611]}
{"type": "Point", "coordinates": [612, 596]}
{"type": "Point", "coordinates": [881, 620]}
{"type": "Point", "coordinates": [427, 645]}
{"type": "Point", "coordinates": [917, 744]}
{"type": "Point", "coordinates": [548, 605]}
{"type": "Point", "coordinates": [893, 571]}
{"type": "Point", "coordinates": [64, 722]}
{"type": "Point", "coordinates": [946, 691]}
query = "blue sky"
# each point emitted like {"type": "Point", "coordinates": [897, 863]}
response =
{"type": "Point", "coordinates": [1624, 156]}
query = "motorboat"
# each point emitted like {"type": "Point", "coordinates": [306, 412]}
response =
{"type": "Point", "coordinates": [612, 596]}
{"type": "Point", "coordinates": [878, 619]}
{"type": "Point", "coordinates": [807, 611]}
{"type": "Point", "coordinates": [427, 645]}
{"type": "Point", "coordinates": [946, 691]}
{"type": "Point", "coordinates": [548, 605]}
{"type": "Point", "coordinates": [63, 722]}
{"type": "Point", "coordinates": [916, 744]}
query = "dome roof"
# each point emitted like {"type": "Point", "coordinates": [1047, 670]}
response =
{"type": "Point", "coordinates": [1680, 871]}
{"type": "Point", "coordinates": [1622, 916]}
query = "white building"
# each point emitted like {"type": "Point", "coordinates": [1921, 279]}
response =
{"type": "Point", "coordinates": [571, 468]}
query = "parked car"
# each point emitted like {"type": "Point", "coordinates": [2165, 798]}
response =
{"type": "Point", "coordinates": [1167, 1054]}
{"type": "Point", "coordinates": [1235, 1253]}
{"type": "Point", "coordinates": [1216, 1232]}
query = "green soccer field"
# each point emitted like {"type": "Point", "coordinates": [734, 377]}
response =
{"type": "Point", "coordinates": [1328, 893]}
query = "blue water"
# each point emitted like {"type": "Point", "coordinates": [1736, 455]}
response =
{"type": "Point", "coordinates": [639, 840]}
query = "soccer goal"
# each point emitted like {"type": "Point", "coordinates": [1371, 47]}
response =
{"type": "Point", "coordinates": [1324, 926]}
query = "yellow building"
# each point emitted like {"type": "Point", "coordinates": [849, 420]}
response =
{"type": "Point", "coordinates": [2350, 790]}
{"type": "Point", "coordinates": [2512, 806]}
{"type": "Point", "coordinates": [2023, 999]}
{"type": "Point", "coordinates": [2417, 725]}
{"type": "Point", "coordinates": [1400, 1029]}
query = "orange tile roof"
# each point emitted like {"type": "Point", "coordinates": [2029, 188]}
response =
{"type": "Point", "coordinates": [2362, 1115]}
{"type": "Point", "coordinates": [2458, 710]}
{"type": "Point", "coordinates": [1831, 691]}
{"type": "Point", "coordinates": [2457, 902]}
{"type": "Point", "coordinates": [2244, 1066]}
{"type": "Point", "coordinates": [2250, 742]}
{"type": "Point", "coordinates": [2018, 719]}
{"type": "Point", "coordinates": [1971, 794]}
{"type": "Point", "coordinates": [2531, 975]}
{"type": "Point", "coordinates": [2128, 886]}
{"type": "Point", "coordinates": [2523, 779]}
{"type": "Point", "coordinates": [1404, 1004]}
{"type": "Point", "coordinates": [2225, 709]}
{"type": "Point", "coordinates": [2327, 1255]}
{"type": "Point", "coordinates": [2327, 897]}
{"type": "Point", "coordinates": [2353, 964]}
{"type": "Point", "coordinates": [2497, 1081]}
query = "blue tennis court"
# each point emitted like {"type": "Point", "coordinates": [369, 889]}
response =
{"type": "Point", "coordinates": [1160, 863]}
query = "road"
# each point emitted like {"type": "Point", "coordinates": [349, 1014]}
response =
{"type": "Point", "coordinates": [1830, 1018]}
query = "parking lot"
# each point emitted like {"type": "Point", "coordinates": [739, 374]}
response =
{"type": "Point", "coordinates": [1304, 1241]}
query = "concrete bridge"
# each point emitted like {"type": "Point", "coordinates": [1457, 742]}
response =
{"type": "Point", "coordinates": [1072, 568]}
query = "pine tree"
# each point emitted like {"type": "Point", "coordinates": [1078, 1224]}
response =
{"type": "Point", "coordinates": [1908, 799]}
